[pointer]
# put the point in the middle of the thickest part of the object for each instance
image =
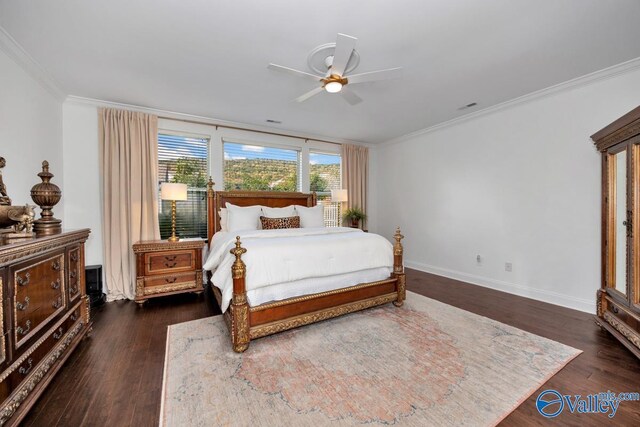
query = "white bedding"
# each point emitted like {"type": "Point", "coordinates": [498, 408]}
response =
{"type": "Point", "coordinates": [314, 285]}
{"type": "Point", "coordinates": [279, 257]}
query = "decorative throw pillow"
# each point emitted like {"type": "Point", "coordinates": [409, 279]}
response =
{"type": "Point", "coordinates": [278, 223]}
{"type": "Point", "coordinates": [311, 217]}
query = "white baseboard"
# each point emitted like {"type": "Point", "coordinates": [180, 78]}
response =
{"type": "Point", "coordinates": [511, 288]}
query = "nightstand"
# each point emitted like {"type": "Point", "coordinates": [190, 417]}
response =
{"type": "Point", "coordinates": [168, 268]}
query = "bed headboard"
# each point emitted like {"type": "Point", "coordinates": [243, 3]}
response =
{"type": "Point", "coordinates": [273, 199]}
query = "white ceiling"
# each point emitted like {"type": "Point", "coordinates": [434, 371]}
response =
{"type": "Point", "coordinates": [209, 58]}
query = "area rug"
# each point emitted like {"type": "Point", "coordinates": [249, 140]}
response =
{"type": "Point", "coordinates": [424, 364]}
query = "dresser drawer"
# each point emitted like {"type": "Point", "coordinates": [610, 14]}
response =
{"type": "Point", "coordinates": [29, 322]}
{"type": "Point", "coordinates": [169, 262]}
{"type": "Point", "coordinates": [29, 361]}
{"type": "Point", "coordinates": [40, 296]}
{"type": "Point", "coordinates": [75, 270]}
{"type": "Point", "coordinates": [39, 277]}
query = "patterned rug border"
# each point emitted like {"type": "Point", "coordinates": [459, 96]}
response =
{"type": "Point", "coordinates": [529, 393]}
{"type": "Point", "coordinates": [410, 294]}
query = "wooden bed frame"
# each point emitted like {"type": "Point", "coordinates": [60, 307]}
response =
{"type": "Point", "coordinates": [246, 323]}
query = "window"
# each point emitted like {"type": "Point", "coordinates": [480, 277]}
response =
{"type": "Point", "coordinates": [260, 168]}
{"type": "Point", "coordinates": [324, 176]}
{"type": "Point", "coordinates": [183, 159]}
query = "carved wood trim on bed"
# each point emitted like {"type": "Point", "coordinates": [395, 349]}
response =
{"type": "Point", "coordinates": [246, 323]}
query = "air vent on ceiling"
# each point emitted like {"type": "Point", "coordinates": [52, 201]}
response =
{"type": "Point", "coordinates": [473, 104]}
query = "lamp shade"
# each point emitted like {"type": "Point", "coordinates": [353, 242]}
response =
{"type": "Point", "coordinates": [338, 195]}
{"type": "Point", "coordinates": [172, 191]}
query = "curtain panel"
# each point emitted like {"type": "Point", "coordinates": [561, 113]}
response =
{"type": "Point", "coordinates": [129, 170]}
{"type": "Point", "coordinates": [355, 175]}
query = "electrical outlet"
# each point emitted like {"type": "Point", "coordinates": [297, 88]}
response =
{"type": "Point", "coordinates": [508, 266]}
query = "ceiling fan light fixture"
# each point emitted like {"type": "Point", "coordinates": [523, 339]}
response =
{"type": "Point", "coordinates": [333, 87]}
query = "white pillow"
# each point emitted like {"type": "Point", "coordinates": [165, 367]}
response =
{"type": "Point", "coordinates": [311, 217]}
{"type": "Point", "coordinates": [278, 212]}
{"type": "Point", "coordinates": [224, 219]}
{"type": "Point", "coordinates": [243, 218]}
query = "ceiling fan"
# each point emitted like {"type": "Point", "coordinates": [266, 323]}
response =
{"type": "Point", "coordinates": [336, 79]}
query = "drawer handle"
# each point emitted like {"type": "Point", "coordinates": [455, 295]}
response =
{"type": "Point", "coordinates": [73, 289]}
{"type": "Point", "coordinates": [20, 330]}
{"type": "Point", "coordinates": [23, 306]}
{"type": "Point", "coordinates": [74, 257]}
{"type": "Point", "coordinates": [173, 264]}
{"type": "Point", "coordinates": [57, 303]}
{"type": "Point", "coordinates": [25, 371]}
{"type": "Point", "coordinates": [58, 335]}
{"type": "Point", "coordinates": [74, 316]}
{"type": "Point", "coordinates": [56, 284]}
{"type": "Point", "coordinates": [615, 309]}
{"type": "Point", "coordinates": [172, 280]}
{"type": "Point", "coordinates": [73, 274]}
{"type": "Point", "coordinates": [170, 258]}
{"type": "Point", "coordinates": [55, 265]}
{"type": "Point", "coordinates": [25, 281]}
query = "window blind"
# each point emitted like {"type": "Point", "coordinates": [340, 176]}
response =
{"type": "Point", "coordinates": [183, 159]}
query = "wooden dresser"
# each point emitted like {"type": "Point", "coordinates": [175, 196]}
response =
{"type": "Point", "coordinates": [167, 268]}
{"type": "Point", "coordinates": [45, 314]}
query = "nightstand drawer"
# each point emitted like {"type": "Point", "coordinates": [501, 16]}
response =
{"type": "Point", "coordinates": [170, 283]}
{"type": "Point", "coordinates": [169, 262]}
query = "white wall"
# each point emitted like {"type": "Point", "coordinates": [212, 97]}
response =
{"type": "Point", "coordinates": [519, 185]}
{"type": "Point", "coordinates": [83, 207]}
{"type": "Point", "coordinates": [30, 132]}
{"type": "Point", "coordinates": [82, 176]}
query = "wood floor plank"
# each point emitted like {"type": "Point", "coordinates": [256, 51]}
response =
{"type": "Point", "coordinates": [114, 378]}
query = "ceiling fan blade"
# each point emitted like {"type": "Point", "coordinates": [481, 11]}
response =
{"type": "Point", "coordinates": [294, 72]}
{"type": "Point", "coordinates": [309, 94]}
{"type": "Point", "coordinates": [344, 46]}
{"type": "Point", "coordinates": [350, 97]}
{"type": "Point", "coordinates": [391, 73]}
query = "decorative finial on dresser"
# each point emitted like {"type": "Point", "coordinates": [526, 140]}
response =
{"type": "Point", "coordinates": [46, 195]}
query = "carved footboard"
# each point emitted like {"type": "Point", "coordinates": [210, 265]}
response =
{"type": "Point", "coordinates": [247, 322]}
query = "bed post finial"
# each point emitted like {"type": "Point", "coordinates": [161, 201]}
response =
{"type": "Point", "coordinates": [239, 307]}
{"type": "Point", "coordinates": [239, 269]}
{"type": "Point", "coordinates": [397, 252]}
{"type": "Point", "coordinates": [398, 267]}
{"type": "Point", "coordinates": [210, 185]}
{"type": "Point", "coordinates": [212, 213]}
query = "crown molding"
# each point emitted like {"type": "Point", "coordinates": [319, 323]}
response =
{"type": "Point", "coordinates": [604, 74]}
{"type": "Point", "coordinates": [210, 120]}
{"type": "Point", "coordinates": [20, 56]}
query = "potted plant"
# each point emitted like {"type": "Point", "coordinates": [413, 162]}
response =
{"type": "Point", "coordinates": [355, 215]}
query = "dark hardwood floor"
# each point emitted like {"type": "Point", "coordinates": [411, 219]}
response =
{"type": "Point", "coordinates": [114, 378]}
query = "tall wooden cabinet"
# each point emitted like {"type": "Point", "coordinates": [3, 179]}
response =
{"type": "Point", "coordinates": [45, 314]}
{"type": "Point", "coordinates": [618, 299]}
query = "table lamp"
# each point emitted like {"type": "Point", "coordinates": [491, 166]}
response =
{"type": "Point", "coordinates": [173, 192]}
{"type": "Point", "coordinates": [339, 196]}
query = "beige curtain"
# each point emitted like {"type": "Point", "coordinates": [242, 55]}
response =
{"type": "Point", "coordinates": [129, 166]}
{"type": "Point", "coordinates": [355, 175]}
